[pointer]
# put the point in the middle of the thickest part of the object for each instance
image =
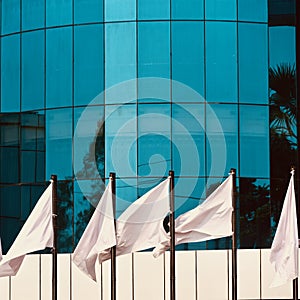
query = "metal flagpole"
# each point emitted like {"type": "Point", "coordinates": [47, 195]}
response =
{"type": "Point", "coordinates": [172, 235]}
{"type": "Point", "coordinates": [54, 249]}
{"type": "Point", "coordinates": [295, 281]}
{"type": "Point", "coordinates": [234, 251]}
{"type": "Point", "coordinates": [112, 177]}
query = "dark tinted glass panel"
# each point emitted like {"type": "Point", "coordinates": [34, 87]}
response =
{"type": "Point", "coordinates": [86, 11]}
{"type": "Point", "coordinates": [33, 14]}
{"type": "Point", "coordinates": [220, 9]}
{"type": "Point", "coordinates": [154, 144]}
{"type": "Point", "coordinates": [253, 63]}
{"type": "Point", "coordinates": [221, 62]}
{"type": "Point", "coordinates": [9, 135]}
{"type": "Point", "coordinates": [154, 49]}
{"type": "Point", "coordinates": [126, 10]}
{"type": "Point", "coordinates": [58, 12]}
{"type": "Point", "coordinates": [10, 201]}
{"type": "Point", "coordinates": [9, 167]}
{"type": "Point", "coordinates": [188, 56]}
{"type": "Point", "coordinates": [28, 166]}
{"type": "Point", "coordinates": [10, 73]}
{"type": "Point", "coordinates": [254, 141]}
{"type": "Point", "coordinates": [187, 9]}
{"type": "Point", "coordinates": [88, 64]}
{"type": "Point", "coordinates": [59, 67]}
{"type": "Point", "coordinates": [59, 143]}
{"type": "Point", "coordinates": [155, 9]}
{"type": "Point", "coordinates": [253, 10]}
{"type": "Point", "coordinates": [120, 39]}
{"type": "Point", "coordinates": [10, 16]}
{"type": "Point", "coordinates": [33, 70]}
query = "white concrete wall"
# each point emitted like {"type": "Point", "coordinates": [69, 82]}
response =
{"type": "Point", "coordinates": [200, 275]}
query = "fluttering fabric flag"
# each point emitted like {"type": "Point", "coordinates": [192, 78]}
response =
{"type": "Point", "coordinates": [36, 234]}
{"type": "Point", "coordinates": [98, 236]}
{"type": "Point", "coordinates": [211, 219]}
{"type": "Point", "coordinates": [140, 226]}
{"type": "Point", "coordinates": [284, 249]}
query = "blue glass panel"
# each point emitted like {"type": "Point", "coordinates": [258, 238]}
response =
{"type": "Point", "coordinates": [187, 9]}
{"type": "Point", "coordinates": [88, 143]}
{"type": "Point", "coordinates": [40, 166]}
{"type": "Point", "coordinates": [88, 63]}
{"type": "Point", "coordinates": [188, 140]}
{"type": "Point", "coordinates": [120, 140]}
{"type": "Point", "coordinates": [222, 139]}
{"type": "Point", "coordinates": [33, 70]}
{"type": "Point", "coordinates": [253, 10]}
{"type": "Point", "coordinates": [10, 73]}
{"type": "Point", "coordinates": [282, 48]}
{"type": "Point", "coordinates": [221, 62]}
{"type": "Point", "coordinates": [59, 67]}
{"type": "Point", "coordinates": [59, 143]}
{"type": "Point", "coordinates": [10, 201]}
{"type": "Point", "coordinates": [10, 21]}
{"type": "Point", "coordinates": [220, 9]}
{"type": "Point", "coordinates": [33, 14]}
{"type": "Point", "coordinates": [86, 11]}
{"type": "Point", "coordinates": [9, 167]}
{"type": "Point", "coordinates": [58, 12]}
{"type": "Point", "coordinates": [254, 141]}
{"type": "Point", "coordinates": [9, 135]}
{"type": "Point", "coordinates": [120, 39]}
{"type": "Point", "coordinates": [126, 10]}
{"type": "Point", "coordinates": [28, 166]}
{"type": "Point", "coordinates": [154, 49]}
{"type": "Point", "coordinates": [253, 63]}
{"type": "Point", "coordinates": [9, 231]}
{"type": "Point", "coordinates": [29, 138]}
{"type": "Point", "coordinates": [188, 57]}
{"type": "Point", "coordinates": [155, 9]}
{"type": "Point", "coordinates": [154, 139]}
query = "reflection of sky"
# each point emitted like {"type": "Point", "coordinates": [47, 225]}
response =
{"type": "Point", "coordinates": [282, 45]}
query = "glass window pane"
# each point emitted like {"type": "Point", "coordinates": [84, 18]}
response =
{"type": "Point", "coordinates": [154, 140]}
{"type": "Point", "coordinates": [253, 10]}
{"type": "Point", "coordinates": [221, 62]}
{"type": "Point", "coordinates": [120, 140]}
{"type": "Point", "coordinates": [155, 9]}
{"type": "Point", "coordinates": [10, 21]}
{"type": "Point", "coordinates": [28, 166]}
{"type": "Point", "coordinates": [33, 70]}
{"type": "Point", "coordinates": [33, 14]}
{"type": "Point", "coordinates": [253, 63]}
{"type": "Point", "coordinates": [10, 73]}
{"type": "Point", "coordinates": [226, 116]}
{"type": "Point", "coordinates": [88, 63]}
{"type": "Point", "coordinates": [10, 204]}
{"type": "Point", "coordinates": [154, 49]}
{"type": "Point", "coordinates": [59, 143]}
{"type": "Point", "coordinates": [86, 11]}
{"type": "Point", "coordinates": [126, 10]}
{"type": "Point", "coordinates": [9, 167]}
{"type": "Point", "coordinates": [188, 56]}
{"type": "Point", "coordinates": [127, 192]}
{"type": "Point", "coordinates": [220, 10]}
{"type": "Point", "coordinates": [59, 67]}
{"type": "Point", "coordinates": [9, 135]}
{"type": "Point", "coordinates": [187, 9]}
{"type": "Point", "coordinates": [254, 141]}
{"type": "Point", "coordinates": [58, 12]}
{"type": "Point", "coordinates": [188, 139]}
{"type": "Point", "coordinates": [119, 39]}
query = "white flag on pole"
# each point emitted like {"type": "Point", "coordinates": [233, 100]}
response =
{"type": "Point", "coordinates": [210, 220]}
{"type": "Point", "coordinates": [140, 226]}
{"type": "Point", "coordinates": [98, 236]}
{"type": "Point", "coordinates": [36, 234]}
{"type": "Point", "coordinates": [284, 249]}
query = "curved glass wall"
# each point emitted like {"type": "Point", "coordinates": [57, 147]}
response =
{"type": "Point", "coordinates": [139, 87]}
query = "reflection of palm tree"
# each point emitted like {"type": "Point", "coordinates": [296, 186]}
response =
{"type": "Point", "coordinates": [283, 103]}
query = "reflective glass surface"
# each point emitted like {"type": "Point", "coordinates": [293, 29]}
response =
{"type": "Point", "coordinates": [126, 10]}
{"type": "Point", "coordinates": [220, 10]}
{"type": "Point", "coordinates": [33, 14]}
{"type": "Point", "coordinates": [155, 9]}
{"type": "Point", "coordinates": [221, 62]}
{"type": "Point", "coordinates": [88, 63]}
{"type": "Point", "coordinates": [33, 70]}
{"type": "Point", "coordinates": [253, 10]}
{"type": "Point", "coordinates": [10, 73]}
{"type": "Point", "coordinates": [86, 11]}
{"type": "Point", "coordinates": [10, 18]}
{"type": "Point", "coordinates": [58, 12]}
{"type": "Point", "coordinates": [187, 9]}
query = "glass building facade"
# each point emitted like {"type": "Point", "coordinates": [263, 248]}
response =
{"type": "Point", "coordinates": [140, 87]}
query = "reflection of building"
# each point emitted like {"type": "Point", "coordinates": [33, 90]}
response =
{"type": "Point", "coordinates": [220, 49]}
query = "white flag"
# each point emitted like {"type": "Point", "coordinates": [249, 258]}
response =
{"type": "Point", "coordinates": [36, 234]}
{"type": "Point", "coordinates": [98, 236]}
{"type": "Point", "coordinates": [140, 226]}
{"type": "Point", "coordinates": [209, 220]}
{"type": "Point", "coordinates": [0, 251]}
{"type": "Point", "coordinates": [284, 249]}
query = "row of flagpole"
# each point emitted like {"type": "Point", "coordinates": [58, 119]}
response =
{"type": "Point", "coordinates": [106, 237]}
